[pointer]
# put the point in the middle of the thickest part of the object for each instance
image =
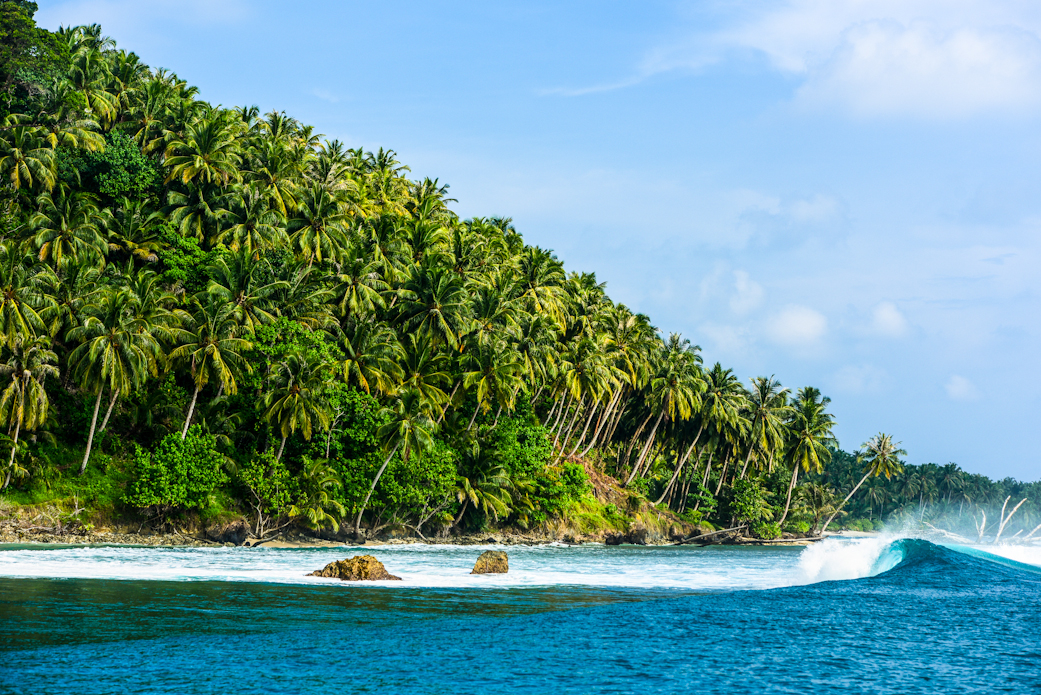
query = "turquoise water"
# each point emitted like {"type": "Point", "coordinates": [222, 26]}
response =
{"type": "Point", "coordinates": [878, 616]}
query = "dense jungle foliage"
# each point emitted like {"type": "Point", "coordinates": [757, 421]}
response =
{"type": "Point", "coordinates": [213, 311]}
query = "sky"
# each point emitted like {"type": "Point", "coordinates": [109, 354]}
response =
{"type": "Point", "coordinates": [840, 193]}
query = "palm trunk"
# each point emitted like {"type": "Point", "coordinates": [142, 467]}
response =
{"type": "Point", "coordinates": [361, 510]}
{"type": "Point", "coordinates": [585, 430]}
{"type": "Point", "coordinates": [704, 480]}
{"type": "Point", "coordinates": [646, 447]}
{"type": "Point", "coordinates": [602, 423]}
{"type": "Point", "coordinates": [722, 475]}
{"type": "Point", "coordinates": [788, 502]}
{"type": "Point", "coordinates": [90, 437]}
{"type": "Point", "coordinates": [108, 413]}
{"type": "Point", "coordinates": [191, 411]}
{"type": "Point", "coordinates": [281, 447]}
{"type": "Point", "coordinates": [566, 431]}
{"type": "Point", "coordinates": [558, 423]}
{"type": "Point", "coordinates": [839, 509]}
{"type": "Point", "coordinates": [474, 417]}
{"type": "Point", "coordinates": [636, 436]}
{"type": "Point", "coordinates": [14, 448]}
{"type": "Point", "coordinates": [679, 466]}
{"type": "Point", "coordinates": [462, 511]}
{"type": "Point", "coordinates": [450, 397]}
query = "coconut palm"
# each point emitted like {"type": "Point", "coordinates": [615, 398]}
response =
{"type": "Point", "coordinates": [116, 351]}
{"type": "Point", "coordinates": [23, 297]}
{"type": "Point", "coordinates": [27, 159]}
{"type": "Point", "coordinates": [768, 410]}
{"type": "Point", "coordinates": [209, 345]}
{"type": "Point", "coordinates": [317, 228]}
{"type": "Point", "coordinates": [236, 280]}
{"type": "Point", "coordinates": [24, 402]}
{"type": "Point", "coordinates": [409, 427]}
{"type": "Point", "coordinates": [206, 153]}
{"type": "Point", "coordinates": [371, 356]}
{"type": "Point", "coordinates": [810, 430]}
{"type": "Point", "coordinates": [881, 456]}
{"type": "Point", "coordinates": [296, 399]}
{"type": "Point", "coordinates": [68, 229]}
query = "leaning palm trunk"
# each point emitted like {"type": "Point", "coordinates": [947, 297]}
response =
{"type": "Point", "coordinates": [108, 413]}
{"type": "Point", "coordinates": [566, 431]}
{"type": "Point", "coordinates": [704, 483]}
{"type": "Point", "coordinates": [646, 448]}
{"type": "Point", "coordinates": [722, 474]}
{"type": "Point", "coordinates": [281, 448]}
{"type": "Point", "coordinates": [365, 502]}
{"type": "Point", "coordinates": [191, 411]}
{"type": "Point", "coordinates": [839, 508]}
{"type": "Point", "coordinates": [636, 437]}
{"type": "Point", "coordinates": [679, 467]}
{"type": "Point", "coordinates": [585, 430]}
{"type": "Point", "coordinates": [602, 423]}
{"type": "Point", "coordinates": [14, 448]}
{"type": "Point", "coordinates": [90, 437]}
{"type": "Point", "coordinates": [791, 486]}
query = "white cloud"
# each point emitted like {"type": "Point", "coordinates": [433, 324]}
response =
{"type": "Point", "coordinates": [748, 294]}
{"type": "Point", "coordinates": [960, 389]}
{"type": "Point", "coordinates": [884, 68]}
{"type": "Point", "coordinates": [886, 320]}
{"type": "Point", "coordinates": [797, 326]}
{"type": "Point", "coordinates": [922, 58]}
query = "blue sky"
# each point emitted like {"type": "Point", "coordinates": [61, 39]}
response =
{"type": "Point", "coordinates": [843, 193]}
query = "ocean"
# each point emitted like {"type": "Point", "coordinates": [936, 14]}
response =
{"type": "Point", "coordinates": [879, 615]}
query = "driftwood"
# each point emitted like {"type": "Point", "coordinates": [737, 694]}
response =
{"type": "Point", "coordinates": [1006, 519]}
{"type": "Point", "coordinates": [708, 535]}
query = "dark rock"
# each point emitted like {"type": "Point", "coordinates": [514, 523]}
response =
{"type": "Point", "coordinates": [234, 532]}
{"type": "Point", "coordinates": [358, 568]}
{"type": "Point", "coordinates": [492, 562]}
{"type": "Point", "coordinates": [638, 536]}
{"type": "Point", "coordinates": [614, 538]}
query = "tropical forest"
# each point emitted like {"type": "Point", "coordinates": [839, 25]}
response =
{"type": "Point", "coordinates": [216, 315]}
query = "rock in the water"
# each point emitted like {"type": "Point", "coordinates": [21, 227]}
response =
{"type": "Point", "coordinates": [492, 562]}
{"type": "Point", "coordinates": [232, 532]}
{"type": "Point", "coordinates": [358, 568]}
{"type": "Point", "coordinates": [614, 539]}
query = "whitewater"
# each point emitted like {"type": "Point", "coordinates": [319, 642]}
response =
{"type": "Point", "coordinates": [431, 565]}
{"type": "Point", "coordinates": [872, 615]}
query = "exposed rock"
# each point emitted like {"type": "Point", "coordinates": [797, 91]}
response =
{"type": "Point", "coordinates": [614, 538]}
{"type": "Point", "coordinates": [638, 536]}
{"type": "Point", "coordinates": [358, 568]}
{"type": "Point", "coordinates": [235, 532]}
{"type": "Point", "coordinates": [492, 562]}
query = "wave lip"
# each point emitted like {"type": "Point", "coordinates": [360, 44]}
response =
{"type": "Point", "coordinates": [836, 559]}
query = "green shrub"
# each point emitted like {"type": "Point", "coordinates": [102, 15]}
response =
{"type": "Point", "coordinates": [179, 474]}
{"type": "Point", "coordinates": [798, 526]}
{"type": "Point", "coordinates": [766, 530]}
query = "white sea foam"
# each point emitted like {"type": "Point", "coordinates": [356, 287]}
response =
{"type": "Point", "coordinates": [710, 569]}
{"type": "Point", "coordinates": [1027, 554]}
{"type": "Point", "coordinates": [841, 559]}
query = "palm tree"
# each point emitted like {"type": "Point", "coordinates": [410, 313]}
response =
{"type": "Point", "coordinates": [27, 159]}
{"type": "Point", "coordinates": [68, 228]}
{"type": "Point", "coordinates": [210, 346]}
{"type": "Point", "coordinates": [409, 427]}
{"type": "Point", "coordinates": [22, 297]}
{"type": "Point", "coordinates": [206, 153]}
{"type": "Point", "coordinates": [252, 224]}
{"type": "Point", "coordinates": [880, 457]}
{"type": "Point", "coordinates": [768, 408]}
{"type": "Point", "coordinates": [811, 431]}
{"type": "Point", "coordinates": [24, 402]}
{"type": "Point", "coordinates": [235, 281]}
{"type": "Point", "coordinates": [116, 351]}
{"type": "Point", "coordinates": [297, 400]}
{"type": "Point", "coordinates": [371, 355]}
{"type": "Point", "coordinates": [317, 229]}
{"type": "Point", "coordinates": [434, 302]}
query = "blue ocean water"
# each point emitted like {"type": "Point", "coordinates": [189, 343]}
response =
{"type": "Point", "coordinates": [921, 619]}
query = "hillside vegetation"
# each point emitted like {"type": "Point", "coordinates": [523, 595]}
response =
{"type": "Point", "coordinates": [211, 313]}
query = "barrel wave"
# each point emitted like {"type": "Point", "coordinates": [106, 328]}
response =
{"type": "Point", "coordinates": [902, 615]}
